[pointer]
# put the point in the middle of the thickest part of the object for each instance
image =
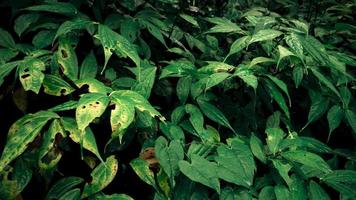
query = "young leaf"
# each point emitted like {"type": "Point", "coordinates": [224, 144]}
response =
{"type": "Point", "coordinates": [23, 22]}
{"type": "Point", "coordinates": [102, 176]}
{"type": "Point", "coordinates": [90, 106]}
{"type": "Point", "coordinates": [236, 164]}
{"type": "Point", "coordinates": [202, 171]}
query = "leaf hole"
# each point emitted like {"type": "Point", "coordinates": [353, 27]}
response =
{"type": "Point", "coordinates": [26, 70]}
{"type": "Point", "coordinates": [63, 91]}
{"type": "Point", "coordinates": [64, 53]}
{"type": "Point", "coordinates": [83, 107]}
{"type": "Point", "coordinates": [97, 102]}
{"type": "Point", "coordinates": [25, 76]}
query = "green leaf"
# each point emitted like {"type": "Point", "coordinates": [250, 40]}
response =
{"type": "Point", "coordinates": [121, 117]}
{"type": "Point", "coordinates": [189, 19]}
{"type": "Point", "coordinates": [94, 86]}
{"type": "Point", "coordinates": [214, 114]}
{"type": "Point", "coordinates": [67, 59]}
{"type": "Point", "coordinates": [89, 67]}
{"type": "Point", "coordinates": [55, 7]}
{"type": "Point", "coordinates": [102, 176]}
{"type": "Point", "coordinates": [334, 116]}
{"type": "Point", "coordinates": [257, 148]}
{"type": "Point", "coordinates": [183, 88]}
{"type": "Point", "coordinates": [277, 96]}
{"type": "Point", "coordinates": [316, 192]}
{"type": "Point", "coordinates": [267, 193]}
{"type": "Point", "coordinates": [112, 41]}
{"type": "Point", "coordinates": [73, 194]}
{"type": "Point", "coordinates": [31, 76]}
{"type": "Point", "coordinates": [283, 169]}
{"type": "Point", "coordinates": [295, 44]}
{"type": "Point", "coordinates": [236, 164]}
{"type": "Point", "coordinates": [196, 118]}
{"type": "Point", "coordinates": [247, 76]}
{"type": "Point", "coordinates": [318, 107]}
{"type": "Point", "coordinates": [343, 181]}
{"type": "Point", "coordinates": [202, 171]}
{"type": "Point", "coordinates": [215, 79]}
{"type": "Point", "coordinates": [23, 132]}
{"type": "Point", "coordinates": [102, 196]}
{"type": "Point", "coordinates": [54, 85]}
{"type": "Point", "coordinates": [239, 44]}
{"type": "Point", "coordinates": [90, 106]}
{"type": "Point", "coordinates": [274, 138]}
{"type": "Point", "coordinates": [325, 81]}
{"type": "Point", "coordinates": [5, 69]}
{"type": "Point", "coordinates": [63, 186]}
{"type": "Point", "coordinates": [43, 39]}
{"type": "Point", "coordinates": [281, 85]}
{"type": "Point", "coordinates": [87, 136]}
{"type": "Point", "coordinates": [283, 52]}
{"type": "Point", "coordinates": [177, 69]}
{"type": "Point", "coordinates": [223, 25]}
{"type": "Point", "coordinates": [351, 119]}
{"type": "Point", "coordinates": [315, 49]}
{"type": "Point", "coordinates": [298, 74]}
{"type": "Point", "coordinates": [154, 31]}
{"type": "Point", "coordinates": [281, 192]}
{"type": "Point", "coordinates": [308, 159]}
{"type": "Point", "coordinates": [259, 60]}
{"type": "Point", "coordinates": [265, 34]}
{"type": "Point", "coordinates": [23, 22]}
{"type": "Point", "coordinates": [141, 168]}
{"type": "Point", "coordinates": [6, 39]}
{"type": "Point", "coordinates": [169, 155]}
{"type": "Point", "coordinates": [68, 26]}
{"type": "Point", "coordinates": [215, 67]}
{"type": "Point", "coordinates": [69, 105]}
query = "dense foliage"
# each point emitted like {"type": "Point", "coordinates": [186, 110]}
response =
{"type": "Point", "coordinates": [170, 99]}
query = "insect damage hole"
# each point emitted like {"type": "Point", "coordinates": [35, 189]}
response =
{"type": "Point", "coordinates": [25, 76]}
{"type": "Point", "coordinates": [64, 53]}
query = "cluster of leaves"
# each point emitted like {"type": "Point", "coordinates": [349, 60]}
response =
{"type": "Point", "coordinates": [225, 99]}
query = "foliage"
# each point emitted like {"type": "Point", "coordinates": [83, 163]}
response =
{"type": "Point", "coordinates": [200, 99]}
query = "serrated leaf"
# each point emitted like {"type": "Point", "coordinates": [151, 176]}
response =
{"type": "Point", "coordinates": [214, 114]}
{"type": "Point", "coordinates": [265, 34]}
{"type": "Point", "coordinates": [316, 192]}
{"type": "Point", "coordinates": [23, 22]}
{"type": "Point", "coordinates": [67, 59]}
{"type": "Point", "coordinates": [307, 158]}
{"type": "Point", "coordinates": [169, 155]}
{"type": "Point", "coordinates": [22, 133]}
{"type": "Point", "coordinates": [274, 138]}
{"type": "Point", "coordinates": [57, 7]}
{"type": "Point", "coordinates": [63, 186]}
{"type": "Point", "coordinates": [6, 39]}
{"type": "Point", "coordinates": [202, 171]}
{"type": "Point", "coordinates": [102, 176]}
{"type": "Point", "coordinates": [54, 85]}
{"type": "Point", "coordinates": [257, 148]}
{"type": "Point", "coordinates": [90, 106]}
{"type": "Point", "coordinates": [236, 164]}
{"type": "Point", "coordinates": [121, 117]}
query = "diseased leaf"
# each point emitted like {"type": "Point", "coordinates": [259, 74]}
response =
{"type": "Point", "coordinates": [94, 86]}
{"type": "Point", "coordinates": [90, 106]}
{"type": "Point", "coordinates": [102, 176]}
{"type": "Point", "coordinates": [24, 131]}
{"type": "Point", "coordinates": [202, 171]}
{"type": "Point", "coordinates": [31, 76]}
{"type": "Point", "coordinates": [67, 59]}
{"type": "Point", "coordinates": [54, 85]}
{"type": "Point", "coordinates": [121, 117]}
{"type": "Point", "coordinates": [236, 164]}
{"type": "Point", "coordinates": [183, 88]}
